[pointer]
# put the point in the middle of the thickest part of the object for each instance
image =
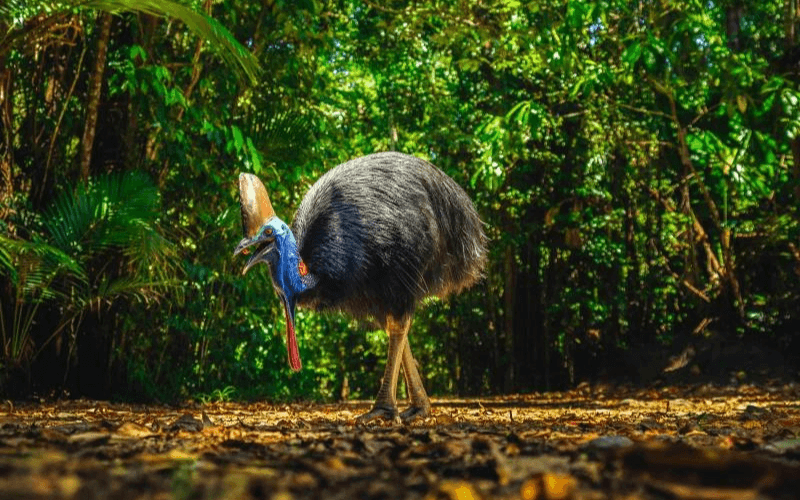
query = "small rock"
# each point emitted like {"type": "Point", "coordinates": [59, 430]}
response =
{"type": "Point", "coordinates": [784, 446]}
{"type": "Point", "coordinates": [186, 423]}
{"type": "Point", "coordinates": [608, 443]}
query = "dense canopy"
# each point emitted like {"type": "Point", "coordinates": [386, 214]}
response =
{"type": "Point", "coordinates": [637, 166]}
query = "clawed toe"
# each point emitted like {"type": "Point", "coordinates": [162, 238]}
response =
{"type": "Point", "coordinates": [413, 413]}
{"type": "Point", "coordinates": [386, 413]}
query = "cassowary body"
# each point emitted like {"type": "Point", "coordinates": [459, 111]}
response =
{"type": "Point", "coordinates": [372, 237]}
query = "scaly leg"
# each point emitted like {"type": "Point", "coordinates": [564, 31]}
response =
{"type": "Point", "coordinates": [420, 406]}
{"type": "Point", "coordinates": [385, 406]}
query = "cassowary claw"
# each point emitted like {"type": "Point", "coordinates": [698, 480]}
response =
{"type": "Point", "coordinates": [413, 413]}
{"type": "Point", "coordinates": [387, 413]}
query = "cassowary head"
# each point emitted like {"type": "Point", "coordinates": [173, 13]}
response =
{"type": "Point", "coordinates": [274, 244]}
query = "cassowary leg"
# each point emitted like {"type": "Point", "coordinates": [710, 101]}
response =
{"type": "Point", "coordinates": [420, 406]}
{"type": "Point", "coordinates": [385, 406]}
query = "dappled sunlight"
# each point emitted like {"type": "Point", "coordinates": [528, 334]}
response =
{"type": "Point", "coordinates": [739, 442]}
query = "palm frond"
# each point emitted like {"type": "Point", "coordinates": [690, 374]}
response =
{"type": "Point", "coordinates": [11, 11]}
{"type": "Point", "coordinates": [113, 218]}
{"type": "Point", "coordinates": [127, 205]}
{"type": "Point", "coordinates": [130, 287]}
{"type": "Point", "coordinates": [40, 271]}
{"type": "Point", "coordinates": [15, 13]}
{"type": "Point", "coordinates": [6, 267]}
{"type": "Point", "coordinates": [16, 16]}
{"type": "Point", "coordinates": [281, 136]}
{"type": "Point", "coordinates": [220, 39]}
{"type": "Point", "coordinates": [108, 212]}
{"type": "Point", "coordinates": [151, 254]}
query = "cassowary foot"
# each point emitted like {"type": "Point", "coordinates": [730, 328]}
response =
{"type": "Point", "coordinates": [388, 413]}
{"type": "Point", "coordinates": [413, 413]}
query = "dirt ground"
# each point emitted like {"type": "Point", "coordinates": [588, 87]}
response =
{"type": "Point", "coordinates": [703, 442]}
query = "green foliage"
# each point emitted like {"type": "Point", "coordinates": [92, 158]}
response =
{"type": "Point", "coordinates": [636, 165]}
{"type": "Point", "coordinates": [16, 12]}
{"type": "Point", "coordinates": [96, 246]}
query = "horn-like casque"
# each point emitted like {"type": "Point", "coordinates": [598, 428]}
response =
{"type": "Point", "coordinates": [255, 204]}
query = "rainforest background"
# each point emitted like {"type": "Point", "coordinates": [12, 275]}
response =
{"type": "Point", "coordinates": [637, 164]}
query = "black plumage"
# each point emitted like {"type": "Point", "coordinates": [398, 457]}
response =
{"type": "Point", "coordinates": [384, 231]}
{"type": "Point", "coordinates": [372, 237]}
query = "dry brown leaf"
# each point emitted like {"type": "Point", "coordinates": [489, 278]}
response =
{"type": "Point", "coordinates": [577, 444]}
{"type": "Point", "coordinates": [132, 430]}
{"type": "Point", "coordinates": [455, 490]}
{"type": "Point", "coordinates": [548, 486]}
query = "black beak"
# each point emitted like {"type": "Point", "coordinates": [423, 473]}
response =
{"type": "Point", "coordinates": [246, 242]}
{"type": "Point", "coordinates": [261, 252]}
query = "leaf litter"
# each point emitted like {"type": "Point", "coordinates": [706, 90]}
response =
{"type": "Point", "coordinates": [593, 442]}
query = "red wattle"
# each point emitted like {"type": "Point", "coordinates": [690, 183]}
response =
{"type": "Point", "coordinates": [291, 343]}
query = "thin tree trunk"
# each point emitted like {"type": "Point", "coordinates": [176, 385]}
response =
{"type": "Point", "coordinates": [726, 266]}
{"type": "Point", "coordinates": [630, 306]}
{"type": "Point", "coordinates": [508, 328]}
{"type": "Point", "coordinates": [553, 276]}
{"type": "Point", "coordinates": [153, 145]}
{"type": "Point", "coordinates": [528, 321]}
{"type": "Point", "coordinates": [733, 19]}
{"type": "Point", "coordinates": [95, 90]}
{"type": "Point", "coordinates": [492, 334]}
{"type": "Point", "coordinates": [7, 152]}
{"type": "Point", "coordinates": [633, 280]}
{"type": "Point", "coordinates": [790, 26]}
{"type": "Point", "coordinates": [792, 14]}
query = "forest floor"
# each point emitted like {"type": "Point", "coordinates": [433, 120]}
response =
{"type": "Point", "coordinates": [701, 441]}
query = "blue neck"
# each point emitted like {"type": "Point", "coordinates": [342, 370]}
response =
{"type": "Point", "coordinates": [284, 269]}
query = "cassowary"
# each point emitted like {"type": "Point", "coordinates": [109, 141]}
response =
{"type": "Point", "coordinates": [372, 238]}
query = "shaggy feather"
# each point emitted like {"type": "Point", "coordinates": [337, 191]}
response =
{"type": "Point", "coordinates": [381, 232]}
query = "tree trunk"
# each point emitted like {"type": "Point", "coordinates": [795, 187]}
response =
{"type": "Point", "coordinates": [724, 267]}
{"type": "Point", "coordinates": [733, 19]}
{"type": "Point", "coordinates": [95, 91]}
{"type": "Point", "coordinates": [508, 327]}
{"type": "Point", "coordinates": [553, 277]}
{"type": "Point", "coordinates": [466, 364]}
{"type": "Point", "coordinates": [790, 27]}
{"type": "Point", "coordinates": [792, 11]}
{"type": "Point", "coordinates": [7, 151]}
{"type": "Point", "coordinates": [527, 318]}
